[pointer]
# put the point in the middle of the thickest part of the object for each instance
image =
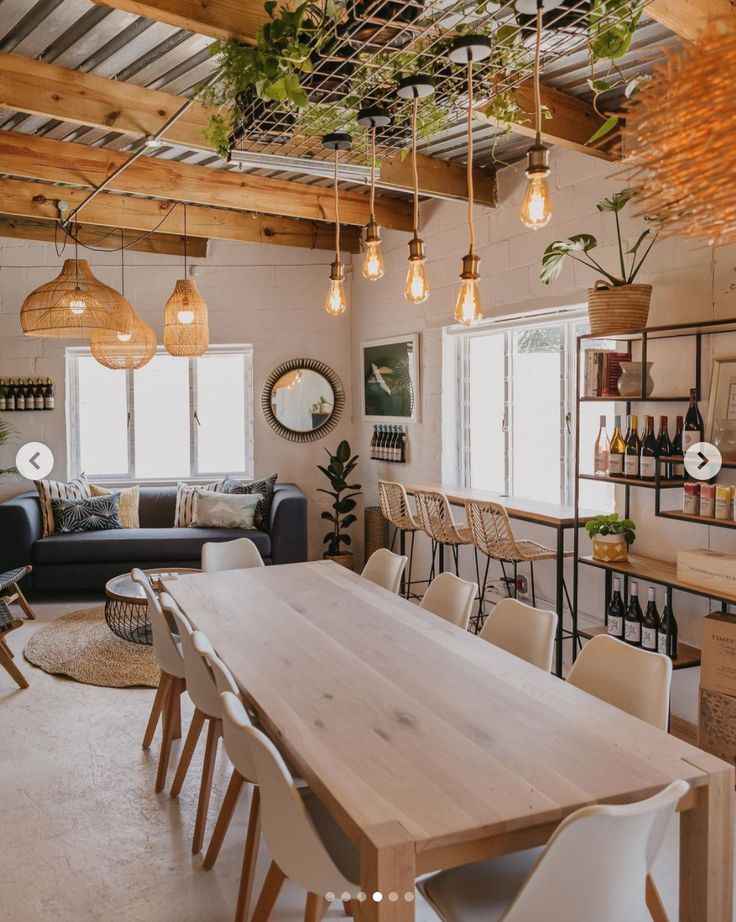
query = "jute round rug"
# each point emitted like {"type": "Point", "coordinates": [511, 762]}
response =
{"type": "Point", "coordinates": [81, 645]}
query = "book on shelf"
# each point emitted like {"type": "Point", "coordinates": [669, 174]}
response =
{"type": "Point", "coordinates": [602, 369]}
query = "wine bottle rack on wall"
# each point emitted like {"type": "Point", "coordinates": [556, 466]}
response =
{"type": "Point", "coordinates": [389, 443]}
{"type": "Point", "coordinates": [26, 395]}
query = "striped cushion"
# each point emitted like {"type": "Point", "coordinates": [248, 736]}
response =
{"type": "Point", "coordinates": [185, 496]}
{"type": "Point", "coordinates": [53, 489]}
{"type": "Point", "coordinates": [129, 503]}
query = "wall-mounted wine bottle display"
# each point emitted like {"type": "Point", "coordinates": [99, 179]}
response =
{"type": "Point", "coordinates": [26, 394]}
{"type": "Point", "coordinates": [389, 444]}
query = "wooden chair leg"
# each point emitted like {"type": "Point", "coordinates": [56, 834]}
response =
{"type": "Point", "coordinates": [214, 732]}
{"type": "Point", "coordinates": [156, 709]}
{"type": "Point", "coordinates": [269, 894]}
{"type": "Point", "coordinates": [181, 687]}
{"type": "Point", "coordinates": [250, 854]}
{"type": "Point", "coordinates": [316, 908]}
{"type": "Point", "coordinates": [222, 825]}
{"type": "Point", "coordinates": [195, 728]}
{"type": "Point", "coordinates": [654, 902]}
{"type": "Point", "coordinates": [173, 691]}
{"type": "Point", "coordinates": [23, 602]}
{"type": "Point", "coordinates": [347, 906]}
{"type": "Point", "coordinates": [6, 661]}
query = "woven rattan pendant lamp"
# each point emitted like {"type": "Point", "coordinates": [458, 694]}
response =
{"type": "Point", "coordinates": [74, 304]}
{"type": "Point", "coordinates": [186, 323]}
{"type": "Point", "coordinates": [124, 350]}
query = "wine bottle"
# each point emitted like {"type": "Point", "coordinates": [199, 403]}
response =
{"type": "Point", "coordinates": [616, 451]}
{"type": "Point", "coordinates": [20, 395]}
{"type": "Point", "coordinates": [48, 397]}
{"type": "Point", "coordinates": [664, 449]}
{"type": "Point", "coordinates": [3, 401]}
{"type": "Point", "coordinates": [38, 395]}
{"type": "Point", "coordinates": [650, 624]}
{"type": "Point", "coordinates": [667, 633]}
{"type": "Point", "coordinates": [678, 468]}
{"type": "Point", "coordinates": [374, 439]}
{"type": "Point", "coordinates": [402, 453]}
{"type": "Point", "coordinates": [693, 429]}
{"type": "Point", "coordinates": [616, 611]}
{"type": "Point", "coordinates": [601, 451]}
{"type": "Point", "coordinates": [633, 449]}
{"type": "Point", "coordinates": [634, 618]}
{"type": "Point", "coordinates": [10, 395]}
{"type": "Point", "coordinates": [30, 400]}
{"type": "Point", "coordinates": [394, 443]}
{"type": "Point", "coordinates": [648, 460]}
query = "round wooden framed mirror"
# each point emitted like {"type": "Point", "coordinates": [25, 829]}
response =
{"type": "Point", "coordinates": [302, 400]}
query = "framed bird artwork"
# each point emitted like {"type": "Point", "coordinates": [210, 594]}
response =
{"type": "Point", "coordinates": [391, 379]}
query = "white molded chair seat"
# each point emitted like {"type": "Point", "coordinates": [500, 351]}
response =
{"type": "Point", "coordinates": [384, 568]}
{"type": "Point", "coordinates": [527, 632]}
{"type": "Point", "coordinates": [610, 848]}
{"type": "Point", "coordinates": [239, 554]}
{"type": "Point", "coordinates": [451, 598]}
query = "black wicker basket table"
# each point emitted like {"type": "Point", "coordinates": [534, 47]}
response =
{"type": "Point", "coordinates": [126, 608]}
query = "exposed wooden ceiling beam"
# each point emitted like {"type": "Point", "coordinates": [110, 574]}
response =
{"type": "Point", "coordinates": [82, 165]}
{"type": "Point", "coordinates": [690, 18]}
{"type": "Point", "coordinates": [40, 201]}
{"type": "Point", "coordinates": [86, 99]}
{"type": "Point", "coordinates": [217, 18]}
{"type": "Point", "coordinates": [46, 232]}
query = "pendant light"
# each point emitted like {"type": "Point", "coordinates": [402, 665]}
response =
{"type": "Point", "coordinates": [335, 302]}
{"type": "Point", "coordinates": [74, 304]}
{"type": "Point", "coordinates": [372, 118]}
{"type": "Point", "coordinates": [536, 209]}
{"type": "Point", "coordinates": [130, 349]}
{"type": "Point", "coordinates": [416, 288]}
{"type": "Point", "coordinates": [469, 49]}
{"type": "Point", "coordinates": [186, 325]}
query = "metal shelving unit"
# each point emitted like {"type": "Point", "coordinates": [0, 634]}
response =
{"type": "Point", "coordinates": [661, 572]}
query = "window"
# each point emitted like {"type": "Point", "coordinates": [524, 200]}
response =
{"type": "Point", "coordinates": [174, 418]}
{"type": "Point", "coordinates": [516, 425]}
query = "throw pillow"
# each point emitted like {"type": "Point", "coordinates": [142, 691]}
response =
{"type": "Point", "coordinates": [49, 490]}
{"type": "Point", "coordinates": [129, 502]}
{"type": "Point", "coordinates": [97, 513]}
{"type": "Point", "coordinates": [224, 510]}
{"type": "Point", "coordinates": [185, 493]}
{"type": "Point", "coordinates": [265, 487]}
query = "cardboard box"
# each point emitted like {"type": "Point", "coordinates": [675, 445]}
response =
{"type": "Point", "coordinates": [712, 570]}
{"type": "Point", "coordinates": [718, 654]}
{"type": "Point", "coordinates": [717, 725]}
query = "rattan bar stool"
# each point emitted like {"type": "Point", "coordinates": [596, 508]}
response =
{"type": "Point", "coordinates": [492, 534]}
{"type": "Point", "coordinates": [436, 520]}
{"type": "Point", "coordinates": [396, 509]}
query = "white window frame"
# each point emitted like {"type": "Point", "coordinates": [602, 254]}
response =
{"type": "Point", "coordinates": [72, 418]}
{"type": "Point", "coordinates": [457, 354]}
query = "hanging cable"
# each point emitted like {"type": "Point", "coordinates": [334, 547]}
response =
{"type": "Point", "coordinates": [471, 223]}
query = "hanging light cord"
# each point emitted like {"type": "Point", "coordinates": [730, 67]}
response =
{"type": "Point", "coordinates": [537, 64]}
{"type": "Point", "coordinates": [373, 172]}
{"type": "Point", "coordinates": [185, 241]}
{"type": "Point", "coordinates": [471, 226]}
{"type": "Point", "coordinates": [122, 262]}
{"type": "Point", "coordinates": [337, 213]}
{"type": "Point", "coordinates": [415, 172]}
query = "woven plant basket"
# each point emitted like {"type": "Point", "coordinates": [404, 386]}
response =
{"type": "Point", "coordinates": [618, 309]}
{"type": "Point", "coordinates": [376, 530]}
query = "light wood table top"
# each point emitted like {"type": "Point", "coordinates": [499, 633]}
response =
{"type": "Point", "coordinates": [426, 743]}
{"type": "Point", "coordinates": [518, 507]}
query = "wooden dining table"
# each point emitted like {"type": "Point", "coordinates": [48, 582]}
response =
{"type": "Point", "coordinates": [433, 748]}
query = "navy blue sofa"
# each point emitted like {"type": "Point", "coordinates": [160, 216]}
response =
{"type": "Point", "coordinates": [87, 560]}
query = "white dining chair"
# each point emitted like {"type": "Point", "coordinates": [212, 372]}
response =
{"type": "Point", "coordinates": [527, 632]}
{"type": "Point", "coordinates": [384, 568]}
{"type": "Point", "coordinates": [611, 847]}
{"type": "Point", "coordinates": [167, 702]}
{"type": "Point", "coordinates": [305, 843]}
{"type": "Point", "coordinates": [202, 690]}
{"type": "Point", "coordinates": [240, 554]}
{"type": "Point", "coordinates": [451, 598]}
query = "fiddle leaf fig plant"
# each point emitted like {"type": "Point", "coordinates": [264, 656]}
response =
{"type": "Point", "coordinates": [338, 471]}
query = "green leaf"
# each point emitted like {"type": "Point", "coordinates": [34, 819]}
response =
{"type": "Point", "coordinates": [346, 539]}
{"type": "Point", "coordinates": [616, 202]}
{"type": "Point", "coordinates": [343, 451]}
{"type": "Point", "coordinates": [608, 126]}
{"type": "Point", "coordinates": [642, 238]}
{"type": "Point", "coordinates": [583, 242]}
{"type": "Point", "coordinates": [348, 521]}
{"type": "Point", "coordinates": [345, 505]}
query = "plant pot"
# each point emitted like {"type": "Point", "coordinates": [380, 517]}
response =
{"type": "Point", "coordinates": [344, 560]}
{"type": "Point", "coordinates": [619, 308]}
{"type": "Point", "coordinates": [629, 384]}
{"type": "Point", "coordinates": [610, 548]}
{"type": "Point", "coordinates": [324, 408]}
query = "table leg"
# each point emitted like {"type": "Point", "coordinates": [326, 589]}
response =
{"type": "Point", "coordinates": [388, 872]}
{"type": "Point", "coordinates": [559, 598]}
{"type": "Point", "coordinates": [706, 846]}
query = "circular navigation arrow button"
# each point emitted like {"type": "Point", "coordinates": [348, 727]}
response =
{"type": "Point", "coordinates": [34, 460]}
{"type": "Point", "coordinates": [703, 461]}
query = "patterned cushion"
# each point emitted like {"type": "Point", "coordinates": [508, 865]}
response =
{"type": "Point", "coordinates": [185, 494]}
{"type": "Point", "coordinates": [53, 489]}
{"type": "Point", "coordinates": [265, 487]}
{"type": "Point", "coordinates": [129, 502]}
{"type": "Point", "coordinates": [97, 513]}
{"type": "Point", "coordinates": [224, 510]}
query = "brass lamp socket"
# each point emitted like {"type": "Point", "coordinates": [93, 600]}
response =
{"type": "Point", "coordinates": [372, 232]}
{"type": "Point", "coordinates": [471, 263]}
{"type": "Point", "coordinates": [337, 271]}
{"type": "Point", "coordinates": [416, 249]}
{"type": "Point", "coordinates": [538, 160]}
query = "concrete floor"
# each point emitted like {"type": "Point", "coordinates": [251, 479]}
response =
{"type": "Point", "coordinates": [82, 834]}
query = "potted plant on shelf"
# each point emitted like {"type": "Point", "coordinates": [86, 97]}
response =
{"type": "Point", "coordinates": [611, 537]}
{"type": "Point", "coordinates": [343, 494]}
{"type": "Point", "coordinates": [615, 304]}
{"type": "Point", "coordinates": [6, 433]}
